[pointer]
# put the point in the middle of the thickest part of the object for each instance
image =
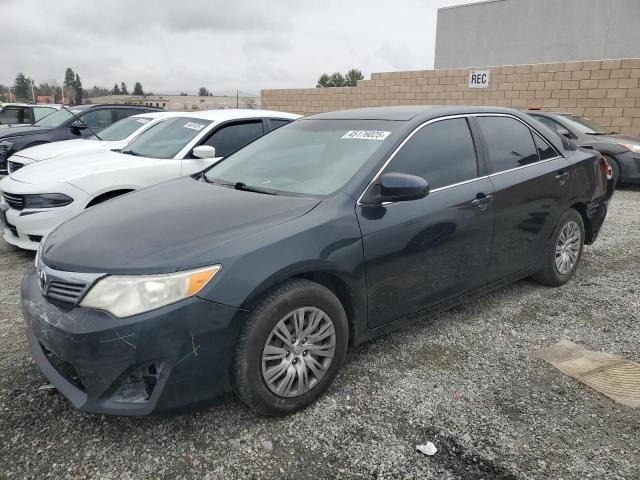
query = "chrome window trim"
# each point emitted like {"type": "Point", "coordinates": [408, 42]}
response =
{"type": "Point", "coordinates": [448, 117]}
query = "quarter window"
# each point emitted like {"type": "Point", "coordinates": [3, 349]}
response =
{"type": "Point", "coordinates": [11, 115]}
{"type": "Point", "coordinates": [230, 138]}
{"type": "Point", "coordinates": [442, 153]}
{"type": "Point", "coordinates": [509, 143]}
{"type": "Point", "coordinates": [277, 123]}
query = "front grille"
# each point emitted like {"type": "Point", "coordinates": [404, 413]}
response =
{"type": "Point", "coordinates": [14, 201]}
{"type": "Point", "coordinates": [65, 291]}
{"type": "Point", "coordinates": [15, 166]}
{"type": "Point", "coordinates": [63, 367]}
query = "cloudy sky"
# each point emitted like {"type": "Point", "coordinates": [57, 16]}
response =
{"type": "Point", "coordinates": [223, 45]}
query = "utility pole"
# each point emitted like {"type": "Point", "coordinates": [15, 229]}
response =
{"type": "Point", "coordinates": [237, 99]}
{"type": "Point", "coordinates": [33, 93]}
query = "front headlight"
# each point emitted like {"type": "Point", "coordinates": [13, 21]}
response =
{"type": "Point", "coordinates": [46, 200]}
{"type": "Point", "coordinates": [126, 295]}
{"type": "Point", "coordinates": [631, 146]}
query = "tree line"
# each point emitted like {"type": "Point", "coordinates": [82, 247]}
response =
{"type": "Point", "coordinates": [24, 89]}
{"type": "Point", "coordinates": [336, 79]}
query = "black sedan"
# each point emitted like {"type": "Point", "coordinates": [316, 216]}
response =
{"type": "Point", "coordinates": [65, 124]}
{"type": "Point", "coordinates": [255, 275]}
{"type": "Point", "coordinates": [621, 151]}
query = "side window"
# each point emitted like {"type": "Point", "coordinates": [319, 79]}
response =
{"type": "Point", "coordinates": [230, 138]}
{"type": "Point", "coordinates": [97, 119]}
{"type": "Point", "coordinates": [545, 151]}
{"type": "Point", "coordinates": [126, 112]}
{"type": "Point", "coordinates": [11, 115]}
{"type": "Point", "coordinates": [509, 142]}
{"type": "Point", "coordinates": [442, 153]}
{"type": "Point", "coordinates": [41, 112]}
{"type": "Point", "coordinates": [277, 123]}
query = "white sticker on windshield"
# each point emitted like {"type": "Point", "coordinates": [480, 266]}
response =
{"type": "Point", "coordinates": [366, 134]}
{"type": "Point", "coordinates": [76, 111]}
{"type": "Point", "coordinates": [194, 126]}
{"type": "Point", "coordinates": [142, 120]}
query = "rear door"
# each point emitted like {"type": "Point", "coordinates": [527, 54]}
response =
{"type": "Point", "coordinates": [531, 182]}
{"type": "Point", "coordinates": [226, 139]}
{"type": "Point", "coordinates": [423, 252]}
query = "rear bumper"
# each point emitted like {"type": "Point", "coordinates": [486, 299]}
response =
{"type": "Point", "coordinates": [597, 212]}
{"type": "Point", "coordinates": [184, 351]}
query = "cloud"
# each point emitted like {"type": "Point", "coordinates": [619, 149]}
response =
{"type": "Point", "coordinates": [171, 46]}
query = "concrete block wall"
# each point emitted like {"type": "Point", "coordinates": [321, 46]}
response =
{"type": "Point", "coordinates": [606, 91]}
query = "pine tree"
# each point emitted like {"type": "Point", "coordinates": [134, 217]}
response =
{"type": "Point", "coordinates": [116, 89]}
{"type": "Point", "coordinates": [123, 89]}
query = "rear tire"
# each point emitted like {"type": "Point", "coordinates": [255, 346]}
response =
{"type": "Point", "coordinates": [562, 255]}
{"type": "Point", "coordinates": [290, 349]}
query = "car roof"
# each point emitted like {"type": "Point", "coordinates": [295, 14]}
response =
{"type": "Point", "coordinates": [405, 113]}
{"type": "Point", "coordinates": [54, 105]}
{"type": "Point", "coordinates": [232, 114]}
{"type": "Point", "coordinates": [540, 112]}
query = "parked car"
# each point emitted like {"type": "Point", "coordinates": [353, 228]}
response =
{"type": "Point", "coordinates": [114, 137]}
{"type": "Point", "coordinates": [39, 197]}
{"type": "Point", "coordinates": [67, 123]}
{"type": "Point", "coordinates": [12, 114]}
{"type": "Point", "coordinates": [256, 274]}
{"type": "Point", "coordinates": [621, 151]}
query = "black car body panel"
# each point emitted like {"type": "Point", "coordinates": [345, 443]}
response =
{"type": "Point", "coordinates": [607, 144]}
{"type": "Point", "coordinates": [388, 264]}
{"type": "Point", "coordinates": [24, 137]}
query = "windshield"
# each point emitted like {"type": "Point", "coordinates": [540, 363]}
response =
{"type": "Point", "coordinates": [122, 129]}
{"type": "Point", "coordinates": [306, 157]}
{"type": "Point", "coordinates": [584, 125]}
{"type": "Point", "coordinates": [56, 119]}
{"type": "Point", "coordinates": [166, 139]}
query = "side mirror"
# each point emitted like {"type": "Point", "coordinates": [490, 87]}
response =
{"type": "Point", "coordinates": [204, 151]}
{"type": "Point", "coordinates": [78, 125]}
{"type": "Point", "coordinates": [396, 187]}
{"type": "Point", "coordinates": [564, 132]}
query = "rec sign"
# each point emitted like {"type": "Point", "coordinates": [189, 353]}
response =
{"type": "Point", "coordinates": [478, 78]}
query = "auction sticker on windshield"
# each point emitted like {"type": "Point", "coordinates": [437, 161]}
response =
{"type": "Point", "coordinates": [366, 134]}
{"type": "Point", "coordinates": [194, 126]}
{"type": "Point", "coordinates": [142, 120]}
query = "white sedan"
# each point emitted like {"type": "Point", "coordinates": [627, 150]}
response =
{"type": "Point", "coordinates": [40, 196]}
{"type": "Point", "coordinates": [114, 137]}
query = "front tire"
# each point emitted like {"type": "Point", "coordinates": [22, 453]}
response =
{"type": "Point", "coordinates": [616, 172]}
{"type": "Point", "coordinates": [563, 253]}
{"type": "Point", "coordinates": [291, 348]}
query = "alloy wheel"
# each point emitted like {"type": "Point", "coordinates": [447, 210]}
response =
{"type": "Point", "coordinates": [568, 248]}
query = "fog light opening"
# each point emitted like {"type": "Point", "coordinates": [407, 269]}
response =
{"type": "Point", "coordinates": [138, 386]}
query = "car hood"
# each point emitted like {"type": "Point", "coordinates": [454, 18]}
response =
{"type": "Point", "coordinates": [618, 138]}
{"type": "Point", "coordinates": [21, 131]}
{"type": "Point", "coordinates": [58, 149]}
{"type": "Point", "coordinates": [164, 228]}
{"type": "Point", "coordinates": [75, 166]}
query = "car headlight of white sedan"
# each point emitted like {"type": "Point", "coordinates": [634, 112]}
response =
{"type": "Point", "coordinates": [46, 200]}
{"type": "Point", "coordinates": [126, 295]}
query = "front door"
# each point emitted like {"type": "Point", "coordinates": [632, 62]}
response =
{"type": "Point", "coordinates": [423, 252]}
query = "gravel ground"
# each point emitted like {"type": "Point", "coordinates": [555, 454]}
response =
{"type": "Point", "coordinates": [464, 380]}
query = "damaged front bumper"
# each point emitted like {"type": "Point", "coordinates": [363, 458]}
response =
{"type": "Point", "coordinates": [168, 358]}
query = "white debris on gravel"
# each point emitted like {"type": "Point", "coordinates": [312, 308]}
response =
{"type": "Point", "coordinates": [464, 380]}
{"type": "Point", "coordinates": [428, 449]}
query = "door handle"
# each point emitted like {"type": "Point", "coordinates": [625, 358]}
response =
{"type": "Point", "coordinates": [482, 201]}
{"type": "Point", "coordinates": [561, 177]}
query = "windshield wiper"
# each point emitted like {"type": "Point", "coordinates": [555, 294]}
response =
{"type": "Point", "coordinates": [130, 152]}
{"type": "Point", "coordinates": [248, 188]}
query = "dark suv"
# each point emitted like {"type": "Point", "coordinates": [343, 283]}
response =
{"type": "Point", "coordinates": [68, 123]}
{"type": "Point", "coordinates": [621, 151]}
